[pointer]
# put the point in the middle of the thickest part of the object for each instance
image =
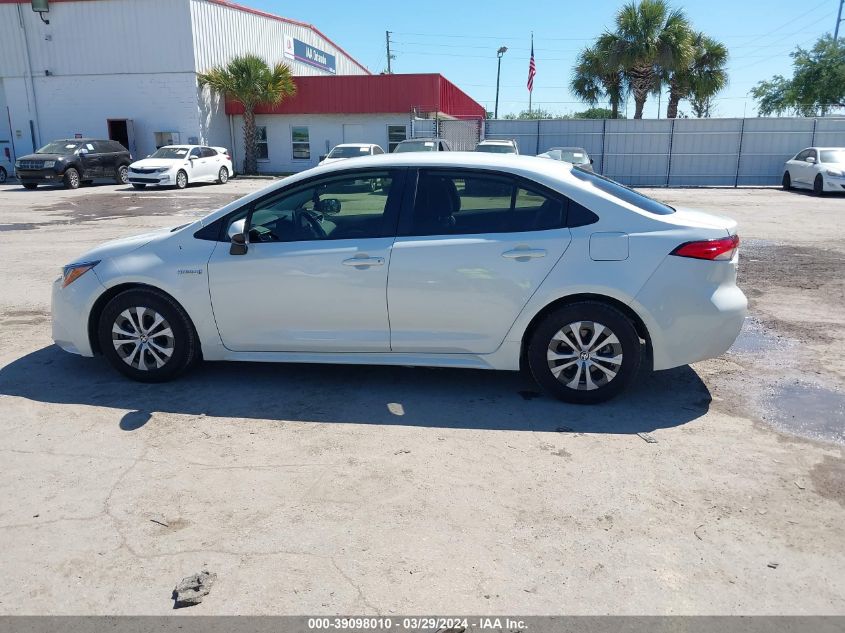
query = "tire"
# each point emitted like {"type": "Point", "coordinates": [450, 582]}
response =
{"type": "Point", "coordinates": [139, 185]}
{"type": "Point", "coordinates": [222, 176]}
{"type": "Point", "coordinates": [71, 178]}
{"type": "Point", "coordinates": [121, 176]}
{"type": "Point", "coordinates": [602, 378]}
{"type": "Point", "coordinates": [181, 179]}
{"type": "Point", "coordinates": [157, 356]}
{"type": "Point", "coordinates": [786, 183]}
{"type": "Point", "coordinates": [818, 185]}
{"type": "Point", "coordinates": [3, 175]}
{"type": "Point", "coordinates": [30, 185]}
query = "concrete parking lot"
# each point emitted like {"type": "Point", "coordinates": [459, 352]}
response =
{"type": "Point", "coordinates": [323, 490]}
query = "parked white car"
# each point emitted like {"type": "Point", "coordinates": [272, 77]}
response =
{"type": "Point", "coordinates": [180, 165]}
{"type": "Point", "coordinates": [818, 168]}
{"type": "Point", "coordinates": [6, 170]}
{"type": "Point", "coordinates": [577, 156]}
{"type": "Point", "coordinates": [351, 150]}
{"type": "Point", "coordinates": [497, 146]}
{"type": "Point", "coordinates": [564, 268]}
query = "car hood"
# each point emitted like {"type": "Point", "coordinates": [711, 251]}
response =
{"type": "Point", "coordinates": [124, 245]}
{"type": "Point", "coordinates": [42, 157]}
{"type": "Point", "coordinates": [157, 163]}
{"type": "Point", "coordinates": [840, 166]}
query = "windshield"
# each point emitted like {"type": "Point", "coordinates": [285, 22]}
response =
{"type": "Point", "coordinates": [573, 155]}
{"type": "Point", "coordinates": [416, 146]}
{"type": "Point", "coordinates": [496, 149]}
{"type": "Point", "coordinates": [59, 147]}
{"type": "Point", "coordinates": [171, 152]}
{"type": "Point", "coordinates": [623, 193]}
{"type": "Point", "coordinates": [833, 156]}
{"type": "Point", "coordinates": [348, 152]}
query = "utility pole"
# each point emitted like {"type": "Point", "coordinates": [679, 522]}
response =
{"type": "Point", "coordinates": [389, 56]}
{"type": "Point", "coordinates": [838, 21]}
{"type": "Point", "coordinates": [502, 50]}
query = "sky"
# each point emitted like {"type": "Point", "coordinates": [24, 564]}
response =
{"type": "Point", "coordinates": [459, 39]}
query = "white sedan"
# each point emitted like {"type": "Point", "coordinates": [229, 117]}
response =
{"type": "Point", "coordinates": [818, 168]}
{"type": "Point", "coordinates": [351, 150]}
{"type": "Point", "coordinates": [180, 165]}
{"type": "Point", "coordinates": [577, 275]}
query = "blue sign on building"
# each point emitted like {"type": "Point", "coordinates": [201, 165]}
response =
{"type": "Point", "coordinates": [307, 54]}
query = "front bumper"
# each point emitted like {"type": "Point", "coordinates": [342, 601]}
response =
{"type": "Point", "coordinates": [151, 179]}
{"type": "Point", "coordinates": [834, 183]}
{"type": "Point", "coordinates": [38, 176]}
{"type": "Point", "coordinates": [70, 309]}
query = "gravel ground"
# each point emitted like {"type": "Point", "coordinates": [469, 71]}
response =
{"type": "Point", "coordinates": [325, 490]}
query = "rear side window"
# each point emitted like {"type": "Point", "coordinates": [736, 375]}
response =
{"type": "Point", "coordinates": [461, 203]}
{"type": "Point", "coordinates": [621, 192]}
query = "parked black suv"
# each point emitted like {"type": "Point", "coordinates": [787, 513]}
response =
{"type": "Point", "coordinates": [73, 162]}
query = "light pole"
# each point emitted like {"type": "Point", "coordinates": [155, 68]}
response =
{"type": "Point", "coordinates": [502, 50]}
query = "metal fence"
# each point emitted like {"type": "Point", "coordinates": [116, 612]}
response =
{"type": "Point", "coordinates": [679, 152]}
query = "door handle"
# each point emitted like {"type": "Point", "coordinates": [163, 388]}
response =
{"type": "Point", "coordinates": [524, 253]}
{"type": "Point", "coordinates": [364, 262]}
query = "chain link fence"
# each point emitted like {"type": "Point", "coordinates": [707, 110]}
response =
{"type": "Point", "coordinates": [679, 152]}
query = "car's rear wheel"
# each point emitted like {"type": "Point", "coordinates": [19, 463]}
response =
{"type": "Point", "coordinates": [122, 175]}
{"type": "Point", "coordinates": [584, 353]}
{"type": "Point", "coordinates": [30, 185]}
{"type": "Point", "coordinates": [71, 178]}
{"type": "Point", "coordinates": [818, 185]}
{"type": "Point", "coordinates": [181, 180]}
{"type": "Point", "coordinates": [139, 185]}
{"type": "Point", "coordinates": [222, 176]}
{"type": "Point", "coordinates": [786, 183]}
{"type": "Point", "coordinates": [3, 175]}
{"type": "Point", "coordinates": [147, 336]}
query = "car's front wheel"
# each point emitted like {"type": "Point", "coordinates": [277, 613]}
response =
{"type": "Point", "coordinates": [818, 185]}
{"type": "Point", "coordinates": [3, 175]}
{"type": "Point", "coordinates": [786, 183]}
{"type": "Point", "coordinates": [147, 336]}
{"type": "Point", "coordinates": [122, 175]}
{"type": "Point", "coordinates": [71, 178]}
{"type": "Point", "coordinates": [181, 180]}
{"type": "Point", "coordinates": [585, 352]}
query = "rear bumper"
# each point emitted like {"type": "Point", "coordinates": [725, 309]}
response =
{"type": "Point", "coordinates": [693, 310]}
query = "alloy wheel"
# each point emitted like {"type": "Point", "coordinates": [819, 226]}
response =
{"type": "Point", "coordinates": [181, 180]}
{"type": "Point", "coordinates": [143, 338]}
{"type": "Point", "coordinates": [223, 177]}
{"type": "Point", "coordinates": [74, 179]}
{"type": "Point", "coordinates": [584, 355]}
{"type": "Point", "coordinates": [123, 175]}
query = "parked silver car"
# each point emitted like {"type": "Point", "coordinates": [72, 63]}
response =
{"type": "Point", "coordinates": [577, 156]}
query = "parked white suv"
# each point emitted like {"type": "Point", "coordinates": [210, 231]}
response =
{"type": "Point", "coordinates": [497, 146]}
{"type": "Point", "coordinates": [180, 165]}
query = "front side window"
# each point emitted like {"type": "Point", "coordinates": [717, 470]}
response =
{"type": "Point", "coordinates": [344, 207]}
{"type": "Point", "coordinates": [463, 203]}
{"type": "Point", "coordinates": [395, 135]}
{"type": "Point", "coordinates": [802, 155]}
{"type": "Point", "coordinates": [301, 143]}
{"type": "Point", "coordinates": [196, 153]}
{"type": "Point", "coordinates": [262, 151]}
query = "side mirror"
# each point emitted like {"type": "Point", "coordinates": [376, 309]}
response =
{"type": "Point", "coordinates": [82, 151]}
{"type": "Point", "coordinates": [192, 157]}
{"type": "Point", "coordinates": [592, 161]}
{"type": "Point", "coordinates": [238, 238]}
{"type": "Point", "coordinates": [810, 159]}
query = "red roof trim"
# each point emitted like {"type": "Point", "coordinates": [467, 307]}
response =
{"type": "Point", "coordinates": [240, 7]}
{"type": "Point", "coordinates": [271, 16]}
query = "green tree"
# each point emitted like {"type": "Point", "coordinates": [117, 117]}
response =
{"type": "Point", "coordinates": [536, 113]}
{"type": "Point", "coordinates": [250, 81]}
{"type": "Point", "coordinates": [650, 40]}
{"type": "Point", "coordinates": [598, 76]}
{"type": "Point", "coordinates": [597, 113]}
{"type": "Point", "coordinates": [817, 85]}
{"type": "Point", "coordinates": [704, 76]}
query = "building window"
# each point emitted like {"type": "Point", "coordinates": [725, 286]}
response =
{"type": "Point", "coordinates": [395, 135]}
{"type": "Point", "coordinates": [261, 142]}
{"type": "Point", "coordinates": [301, 143]}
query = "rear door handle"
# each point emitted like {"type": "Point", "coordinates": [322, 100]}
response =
{"type": "Point", "coordinates": [524, 253]}
{"type": "Point", "coordinates": [364, 262]}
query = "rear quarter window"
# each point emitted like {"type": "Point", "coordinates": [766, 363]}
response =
{"type": "Point", "coordinates": [621, 192]}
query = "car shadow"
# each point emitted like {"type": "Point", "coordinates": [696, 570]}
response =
{"type": "Point", "coordinates": [439, 398]}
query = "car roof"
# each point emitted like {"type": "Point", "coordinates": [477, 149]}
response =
{"type": "Point", "coordinates": [356, 145]}
{"type": "Point", "coordinates": [495, 141]}
{"type": "Point", "coordinates": [572, 147]}
{"type": "Point", "coordinates": [422, 138]}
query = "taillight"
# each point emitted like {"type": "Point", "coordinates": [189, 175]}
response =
{"type": "Point", "coordinates": [719, 249]}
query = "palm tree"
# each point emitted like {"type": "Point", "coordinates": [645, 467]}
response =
{"type": "Point", "coordinates": [650, 39]}
{"type": "Point", "coordinates": [701, 79]}
{"type": "Point", "coordinates": [595, 78]}
{"type": "Point", "coordinates": [250, 81]}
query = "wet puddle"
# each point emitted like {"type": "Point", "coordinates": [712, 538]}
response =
{"type": "Point", "coordinates": [809, 411]}
{"type": "Point", "coordinates": [755, 338]}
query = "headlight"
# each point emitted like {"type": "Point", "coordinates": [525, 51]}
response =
{"type": "Point", "coordinates": [48, 164]}
{"type": "Point", "coordinates": [18, 164]}
{"type": "Point", "coordinates": [72, 272]}
{"type": "Point", "coordinates": [161, 170]}
{"type": "Point", "coordinates": [835, 173]}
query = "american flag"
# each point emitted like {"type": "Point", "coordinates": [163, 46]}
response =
{"type": "Point", "coordinates": [532, 68]}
